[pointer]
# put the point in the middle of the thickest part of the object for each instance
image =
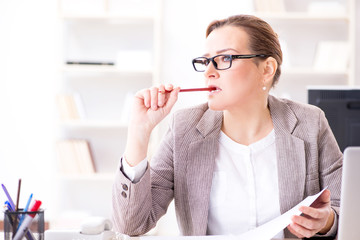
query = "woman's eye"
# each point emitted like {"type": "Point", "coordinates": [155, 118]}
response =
{"type": "Point", "coordinates": [201, 61]}
{"type": "Point", "coordinates": [226, 58]}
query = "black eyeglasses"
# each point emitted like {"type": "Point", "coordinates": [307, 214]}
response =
{"type": "Point", "coordinates": [220, 62]}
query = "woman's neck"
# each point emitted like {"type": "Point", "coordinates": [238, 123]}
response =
{"type": "Point", "coordinates": [248, 124]}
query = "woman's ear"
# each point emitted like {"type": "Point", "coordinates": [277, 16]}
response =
{"type": "Point", "coordinates": [269, 67]}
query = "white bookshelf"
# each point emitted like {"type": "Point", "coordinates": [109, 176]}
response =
{"type": "Point", "coordinates": [102, 35]}
{"type": "Point", "coordinates": [303, 30]}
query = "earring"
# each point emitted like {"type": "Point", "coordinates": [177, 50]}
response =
{"type": "Point", "coordinates": [264, 88]}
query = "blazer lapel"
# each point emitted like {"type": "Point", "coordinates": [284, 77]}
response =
{"type": "Point", "coordinates": [200, 167]}
{"type": "Point", "coordinates": [290, 152]}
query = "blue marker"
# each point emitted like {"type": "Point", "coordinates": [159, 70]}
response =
{"type": "Point", "coordinates": [25, 210]}
{"type": "Point", "coordinates": [7, 204]}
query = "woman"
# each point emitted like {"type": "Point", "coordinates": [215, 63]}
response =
{"type": "Point", "coordinates": [238, 161]}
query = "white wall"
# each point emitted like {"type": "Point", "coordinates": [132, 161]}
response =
{"type": "Point", "coordinates": [30, 45]}
{"type": "Point", "coordinates": [29, 56]}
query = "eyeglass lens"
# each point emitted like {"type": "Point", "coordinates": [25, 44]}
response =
{"type": "Point", "coordinates": [220, 62]}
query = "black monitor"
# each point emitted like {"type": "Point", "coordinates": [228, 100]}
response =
{"type": "Point", "coordinates": [342, 109]}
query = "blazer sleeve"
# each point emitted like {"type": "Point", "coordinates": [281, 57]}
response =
{"type": "Point", "coordinates": [136, 207]}
{"type": "Point", "coordinates": [330, 166]}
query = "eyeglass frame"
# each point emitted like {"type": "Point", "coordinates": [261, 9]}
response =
{"type": "Point", "coordinates": [243, 56]}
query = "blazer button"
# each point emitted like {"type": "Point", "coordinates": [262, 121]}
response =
{"type": "Point", "coordinates": [124, 194]}
{"type": "Point", "coordinates": [125, 187]}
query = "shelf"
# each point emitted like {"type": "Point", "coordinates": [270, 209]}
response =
{"type": "Point", "coordinates": [92, 124]}
{"type": "Point", "coordinates": [89, 177]}
{"type": "Point", "coordinates": [310, 71]}
{"type": "Point", "coordinates": [103, 69]}
{"type": "Point", "coordinates": [133, 17]}
{"type": "Point", "coordinates": [303, 16]}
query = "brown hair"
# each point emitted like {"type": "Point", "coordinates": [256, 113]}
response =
{"type": "Point", "coordinates": [262, 38]}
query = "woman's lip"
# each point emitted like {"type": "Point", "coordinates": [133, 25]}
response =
{"type": "Point", "coordinates": [215, 89]}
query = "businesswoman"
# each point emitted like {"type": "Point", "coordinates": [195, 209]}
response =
{"type": "Point", "coordinates": [237, 161]}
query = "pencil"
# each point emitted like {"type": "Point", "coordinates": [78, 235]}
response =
{"type": "Point", "coordinates": [197, 89]}
{"type": "Point", "coordinates": [193, 89]}
{"type": "Point", "coordinates": [17, 208]}
{"type": "Point", "coordinates": [18, 196]}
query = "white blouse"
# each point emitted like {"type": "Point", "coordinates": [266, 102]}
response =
{"type": "Point", "coordinates": [244, 192]}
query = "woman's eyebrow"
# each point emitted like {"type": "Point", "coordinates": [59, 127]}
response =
{"type": "Point", "coordinates": [226, 49]}
{"type": "Point", "coordinates": [221, 51]}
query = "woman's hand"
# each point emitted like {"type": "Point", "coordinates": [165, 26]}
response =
{"type": "Point", "coordinates": [318, 218]}
{"type": "Point", "coordinates": [150, 106]}
{"type": "Point", "coordinates": [153, 105]}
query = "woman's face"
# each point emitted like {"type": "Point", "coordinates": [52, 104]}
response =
{"type": "Point", "coordinates": [239, 86]}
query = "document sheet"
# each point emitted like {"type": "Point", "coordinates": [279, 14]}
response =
{"type": "Point", "coordinates": [263, 232]}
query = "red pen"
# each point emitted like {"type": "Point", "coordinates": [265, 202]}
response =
{"type": "Point", "coordinates": [193, 89]}
{"type": "Point", "coordinates": [24, 227]}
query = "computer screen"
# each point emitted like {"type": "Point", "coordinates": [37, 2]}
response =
{"type": "Point", "coordinates": [342, 109]}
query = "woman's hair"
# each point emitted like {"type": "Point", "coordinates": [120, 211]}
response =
{"type": "Point", "coordinates": [262, 38]}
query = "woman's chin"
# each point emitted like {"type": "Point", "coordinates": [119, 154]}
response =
{"type": "Point", "coordinates": [215, 107]}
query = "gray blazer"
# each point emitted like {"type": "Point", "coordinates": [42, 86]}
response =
{"type": "Point", "coordinates": [308, 159]}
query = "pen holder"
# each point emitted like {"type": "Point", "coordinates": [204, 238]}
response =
{"type": "Point", "coordinates": [33, 228]}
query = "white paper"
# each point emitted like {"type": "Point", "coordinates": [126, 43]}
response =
{"type": "Point", "coordinates": [271, 228]}
{"type": "Point", "coordinates": [263, 232]}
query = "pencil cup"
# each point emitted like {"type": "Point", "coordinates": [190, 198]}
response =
{"type": "Point", "coordinates": [24, 225]}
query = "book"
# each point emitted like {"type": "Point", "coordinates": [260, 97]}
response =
{"type": "Point", "coordinates": [332, 56]}
{"type": "Point", "coordinates": [70, 106]}
{"type": "Point", "coordinates": [74, 157]}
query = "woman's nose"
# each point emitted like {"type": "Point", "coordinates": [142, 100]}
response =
{"type": "Point", "coordinates": [210, 70]}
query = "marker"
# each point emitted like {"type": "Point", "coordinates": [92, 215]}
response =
{"type": "Point", "coordinates": [8, 196]}
{"type": "Point", "coordinates": [8, 205]}
{"type": "Point", "coordinates": [25, 210]}
{"type": "Point", "coordinates": [27, 221]}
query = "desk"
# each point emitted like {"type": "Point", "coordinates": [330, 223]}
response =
{"type": "Point", "coordinates": [198, 238]}
{"type": "Point", "coordinates": [201, 238]}
{"type": "Point", "coordinates": [204, 238]}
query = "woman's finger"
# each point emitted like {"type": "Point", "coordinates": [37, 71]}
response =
{"type": "Point", "coordinates": [154, 98]}
{"type": "Point", "coordinates": [169, 87]}
{"type": "Point", "coordinates": [292, 230]}
{"type": "Point", "coordinates": [161, 95]}
{"type": "Point", "coordinates": [301, 231]}
{"type": "Point", "coordinates": [144, 97]}
{"type": "Point", "coordinates": [316, 213]}
{"type": "Point", "coordinates": [308, 223]}
{"type": "Point", "coordinates": [172, 98]}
